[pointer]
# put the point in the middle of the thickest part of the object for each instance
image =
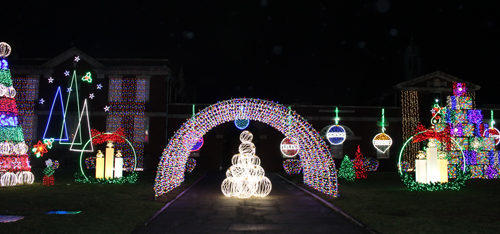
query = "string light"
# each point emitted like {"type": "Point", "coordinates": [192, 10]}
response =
{"type": "Point", "coordinates": [190, 165]}
{"type": "Point", "coordinates": [409, 107]}
{"type": "Point", "coordinates": [346, 170]}
{"type": "Point", "coordinates": [64, 137]}
{"type": "Point", "coordinates": [73, 86]}
{"type": "Point", "coordinates": [127, 97]}
{"type": "Point", "coordinates": [292, 166]}
{"type": "Point", "coordinates": [317, 165]}
{"type": "Point", "coordinates": [14, 162]}
{"type": "Point", "coordinates": [78, 129]}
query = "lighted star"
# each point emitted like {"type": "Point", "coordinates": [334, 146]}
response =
{"type": "Point", "coordinates": [41, 101]}
{"type": "Point", "coordinates": [51, 80]}
{"type": "Point", "coordinates": [77, 58]}
{"type": "Point", "coordinates": [91, 96]}
{"type": "Point", "coordinates": [66, 73]}
{"type": "Point", "coordinates": [433, 111]}
{"type": "Point", "coordinates": [39, 149]}
{"type": "Point", "coordinates": [106, 108]}
{"type": "Point", "coordinates": [99, 86]}
{"type": "Point", "coordinates": [69, 89]}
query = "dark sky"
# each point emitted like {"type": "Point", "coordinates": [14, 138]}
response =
{"type": "Point", "coordinates": [317, 52]}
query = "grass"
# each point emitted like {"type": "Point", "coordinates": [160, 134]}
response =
{"type": "Point", "coordinates": [105, 208]}
{"type": "Point", "coordinates": [385, 205]}
{"type": "Point", "coordinates": [381, 202]}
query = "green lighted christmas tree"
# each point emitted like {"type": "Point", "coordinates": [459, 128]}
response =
{"type": "Point", "coordinates": [347, 169]}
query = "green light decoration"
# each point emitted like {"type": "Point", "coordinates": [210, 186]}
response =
{"type": "Point", "coordinates": [383, 120]}
{"type": "Point", "coordinates": [62, 212]}
{"type": "Point", "coordinates": [410, 182]}
{"type": "Point", "coordinates": [130, 179]}
{"type": "Point", "coordinates": [14, 134]}
{"type": "Point", "coordinates": [346, 170]}
{"type": "Point", "coordinates": [87, 77]}
{"type": "Point", "coordinates": [5, 77]}
{"type": "Point", "coordinates": [492, 123]}
{"type": "Point", "coordinates": [74, 83]}
{"type": "Point", "coordinates": [337, 116]}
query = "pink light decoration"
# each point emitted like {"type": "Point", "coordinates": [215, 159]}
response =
{"type": "Point", "coordinates": [318, 167]}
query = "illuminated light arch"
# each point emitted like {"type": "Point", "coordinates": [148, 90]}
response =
{"type": "Point", "coordinates": [318, 167]}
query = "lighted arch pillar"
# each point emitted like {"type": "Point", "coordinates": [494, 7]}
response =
{"type": "Point", "coordinates": [318, 167]}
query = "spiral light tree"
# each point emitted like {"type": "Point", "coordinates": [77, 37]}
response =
{"type": "Point", "coordinates": [245, 178]}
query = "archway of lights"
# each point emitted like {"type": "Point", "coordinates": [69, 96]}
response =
{"type": "Point", "coordinates": [318, 167]}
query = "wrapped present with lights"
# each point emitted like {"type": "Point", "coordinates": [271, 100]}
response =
{"type": "Point", "coordinates": [48, 180]}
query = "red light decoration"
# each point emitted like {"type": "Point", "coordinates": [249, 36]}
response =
{"type": "Point", "coordinates": [39, 149]}
{"type": "Point", "coordinates": [116, 137]}
{"type": "Point", "coordinates": [359, 165]}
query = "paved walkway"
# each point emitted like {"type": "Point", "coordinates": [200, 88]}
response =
{"type": "Point", "coordinates": [287, 209]}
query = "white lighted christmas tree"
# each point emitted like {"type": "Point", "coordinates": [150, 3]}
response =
{"type": "Point", "coordinates": [245, 178]}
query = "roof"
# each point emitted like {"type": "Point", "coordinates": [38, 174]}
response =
{"type": "Point", "coordinates": [435, 81]}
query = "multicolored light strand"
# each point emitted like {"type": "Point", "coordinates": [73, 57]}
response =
{"type": "Point", "coordinates": [292, 166]}
{"type": "Point", "coordinates": [318, 167]}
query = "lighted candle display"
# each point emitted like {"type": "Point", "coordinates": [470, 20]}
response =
{"type": "Point", "coordinates": [118, 164]}
{"type": "Point", "coordinates": [99, 165]}
{"type": "Point", "coordinates": [110, 154]}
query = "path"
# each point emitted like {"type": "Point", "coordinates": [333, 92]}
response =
{"type": "Point", "coordinates": [287, 209]}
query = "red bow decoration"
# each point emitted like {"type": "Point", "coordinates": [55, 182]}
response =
{"type": "Point", "coordinates": [442, 136]}
{"type": "Point", "coordinates": [102, 138]}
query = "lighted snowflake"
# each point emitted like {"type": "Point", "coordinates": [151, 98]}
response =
{"type": "Point", "coordinates": [69, 89]}
{"type": "Point", "coordinates": [77, 58]}
{"type": "Point", "coordinates": [41, 101]}
{"type": "Point", "coordinates": [51, 80]}
{"type": "Point", "coordinates": [66, 73]}
{"type": "Point", "coordinates": [91, 96]}
{"type": "Point", "coordinates": [106, 108]}
{"type": "Point", "coordinates": [99, 86]}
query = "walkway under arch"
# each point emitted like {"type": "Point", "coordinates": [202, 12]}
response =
{"type": "Point", "coordinates": [318, 167]}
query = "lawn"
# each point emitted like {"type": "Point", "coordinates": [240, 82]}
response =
{"type": "Point", "coordinates": [381, 202]}
{"type": "Point", "coordinates": [384, 204]}
{"type": "Point", "coordinates": [107, 208]}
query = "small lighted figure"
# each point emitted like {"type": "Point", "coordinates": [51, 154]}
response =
{"type": "Point", "coordinates": [91, 96]}
{"type": "Point", "coordinates": [118, 164]}
{"type": "Point", "coordinates": [99, 165]}
{"type": "Point", "coordinates": [41, 101]}
{"type": "Point", "coordinates": [48, 178]}
{"type": "Point", "coordinates": [77, 58]}
{"type": "Point", "coordinates": [69, 89]}
{"type": "Point", "coordinates": [51, 80]}
{"type": "Point", "coordinates": [66, 73]}
{"type": "Point", "coordinates": [106, 108]}
{"type": "Point", "coordinates": [99, 86]}
{"type": "Point", "coordinates": [87, 77]}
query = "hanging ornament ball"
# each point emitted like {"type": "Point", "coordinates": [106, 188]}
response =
{"type": "Point", "coordinates": [241, 123]}
{"type": "Point", "coordinates": [246, 136]}
{"type": "Point", "coordinates": [382, 142]}
{"type": "Point", "coordinates": [4, 50]}
{"type": "Point", "coordinates": [197, 146]}
{"type": "Point", "coordinates": [336, 135]}
{"type": "Point", "coordinates": [289, 147]}
{"type": "Point", "coordinates": [494, 133]}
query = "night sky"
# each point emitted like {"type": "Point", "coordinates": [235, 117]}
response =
{"type": "Point", "coordinates": [313, 52]}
